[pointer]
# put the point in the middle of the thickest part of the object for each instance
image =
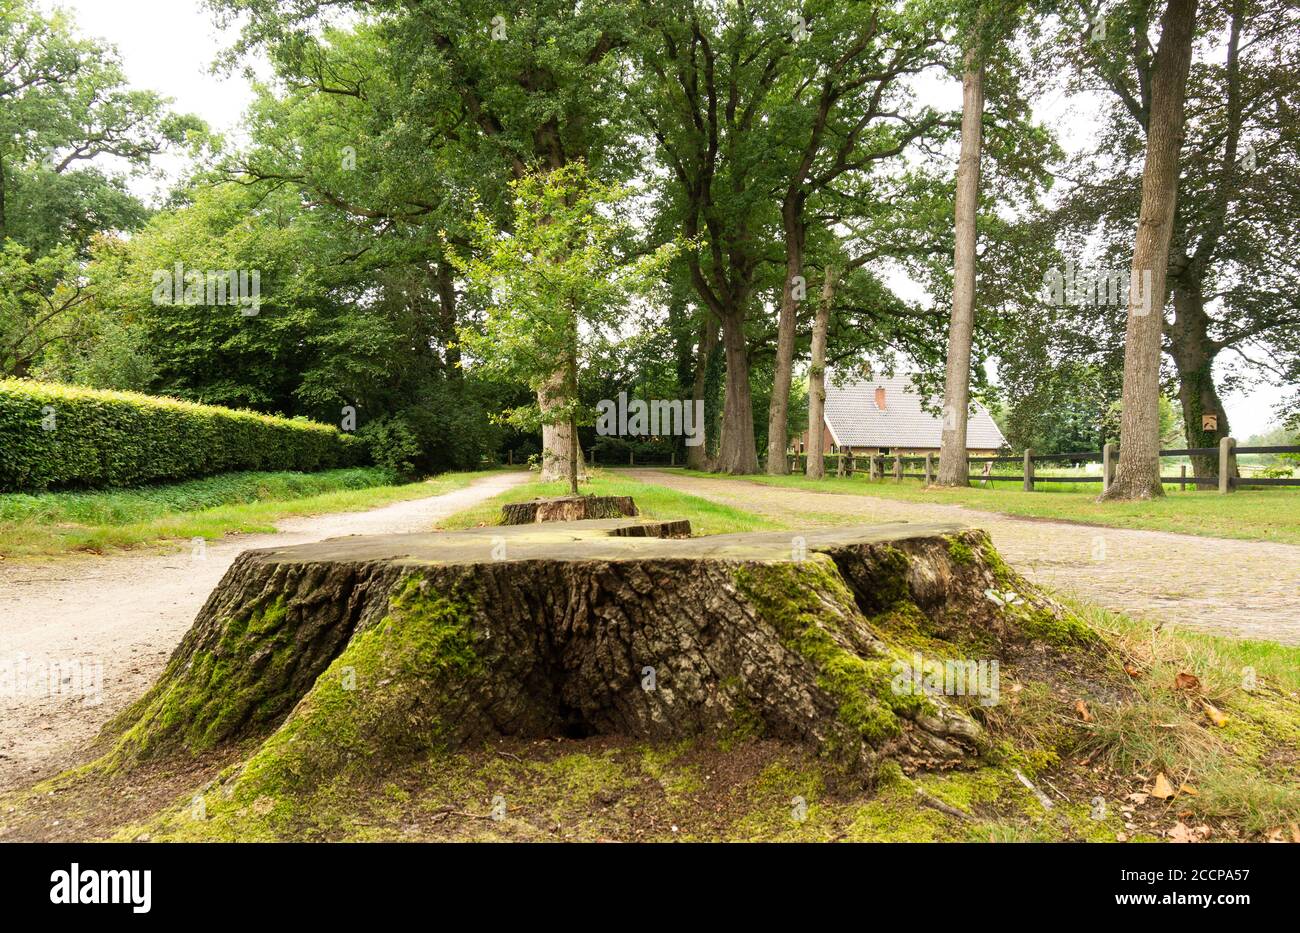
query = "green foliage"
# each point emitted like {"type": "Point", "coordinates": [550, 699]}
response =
{"type": "Point", "coordinates": [61, 436]}
{"type": "Point", "coordinates": [64, 104]}
{"type": "Point", "coordinates": [556, 285]}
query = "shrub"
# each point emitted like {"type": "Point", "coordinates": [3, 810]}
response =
{"type": "Point", "coordinates": [60, 436]}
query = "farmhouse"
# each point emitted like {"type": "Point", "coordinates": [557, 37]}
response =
{"type": "Point", "coordinates": [884, 416]}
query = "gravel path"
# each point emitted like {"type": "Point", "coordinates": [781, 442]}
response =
{"type": "Point", "coordinates": [1244, 589]}
{"type": "Point", "coordinates": [101, 628]}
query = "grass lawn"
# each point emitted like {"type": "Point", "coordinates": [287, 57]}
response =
{"type": "Point", "coordinates": [1251, 514]}
{"type": "Point", "coordinates": [707, 518]}
{"type": "Point", "coordinates": [43, 524]}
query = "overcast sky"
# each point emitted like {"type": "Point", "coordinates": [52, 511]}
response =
{"type": "Point", "coordinates": [168, 46]}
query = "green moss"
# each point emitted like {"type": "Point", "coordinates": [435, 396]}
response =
{"type": "Point", "coordinates": [1001, 571]}
{"type": "Point", "coordinates": [959, 550]}
{"type": "Point", "coordinates": [1062, 629]}
{"type": "Point", "coordinates": [208, 696]}
{"type": "Point", "coordinates": [579, 777]}
{"type": "Point", "coordinates": [784, 804]}
{"type": "Point", "coordinates": [378, 705]}
{"type": "Point", "coordinates": [811, 608]}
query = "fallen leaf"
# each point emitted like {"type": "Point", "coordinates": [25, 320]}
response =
{"type": "Point", "coordinates": [1186, 681]}
{"type": "Point", "coordinates": [1081, 708]}
{"type": "Point", "coordinates": [1216, 715]}
{"type": "Point", "coordinates": [1163, 790]}
{"type": "Point", "coordinates": [1132, 671]}
{"type": "Point", "coordinates": [1138, 798]}
{"type": "Point", "coordinates": [1179, 833]}
{"type": "Point", "coordinates": [1295, 832]}
{"type": "Point", "coordinates": [1189, 790]}
{"type": "Point", "coordinates": [1121, 837]}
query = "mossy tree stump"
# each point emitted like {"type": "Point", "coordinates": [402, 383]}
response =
{"type": "Point", "coordinates": [567, 509]}
{"type": "Point", "coordinates": [341, 660]}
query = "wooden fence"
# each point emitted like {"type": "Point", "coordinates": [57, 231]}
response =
{"type": "Point", "coordinates": [1225, 480]}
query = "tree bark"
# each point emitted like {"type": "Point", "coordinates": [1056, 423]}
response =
{"type": "Point", "coordinates": [787, 320]}
{"type": "Point", "coordinates": [557, 438]}
{"type": "Point", "coordinates": [736, 453]}
{"type": "Point", "coordinates": [1194, 352]}
{"type": "Point", "coordinates": [1138, 476]}
{"type": "Point", "coordinates": [446, 284]}
{"type": "Point", "coordinates": [697, 455]}
{"type": "Point", "coordinates": [953, 465]}
{"type": "Point", "coordinates": [816, 467]}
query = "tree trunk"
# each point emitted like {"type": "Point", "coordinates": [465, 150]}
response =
{"type": "Point", "coordinates": [953, 465]}
{"type": "Point", "coordinates": [697, 455]}
{"type": "Point", "coordinates": [787, 320]}
{"type": "Point", "coordinates": [736, 453]}
{"type": "Point", "coordinates": [816, 468]}
{"type": "Point", "coordinates": [1138, 476]}
{"type": "Point", "coordinates": [572, 386]}
{"type": "Point", "coordinates": [1194, 355]}
{"type": "Point", "coordinates": [345, 660]}
{"type": "Point", "coordinates": [446, 285]}
{"type": "Point", "coordinates": [557, 442]}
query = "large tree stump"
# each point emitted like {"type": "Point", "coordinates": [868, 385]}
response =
{"type": "Point", "coordinates": [352, 656]}
{"type": "Point", "coordinates": [567, 509]}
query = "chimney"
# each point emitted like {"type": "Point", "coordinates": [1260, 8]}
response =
{"type": "Point", "coordinates": [880, 397]}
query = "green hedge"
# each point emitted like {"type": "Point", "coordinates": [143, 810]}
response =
{"type": "Point", "coordinates": [60, 436]}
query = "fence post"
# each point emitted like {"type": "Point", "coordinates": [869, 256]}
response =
{"type": "Point", "coordinates": [1029, 470]}
{"type": "Point", "coordinates": [631, 458]}
{"type": "Point", "coordinates": [1107, 465]}
{"type": "Point", "coordinates": [929, 468]}
{"type": "Point", "coordinates": [1225, 463]}
{"type": "Point", "coordinates": [1182, 478]}
{"type": "Point", "coordinates": [875, 466]}
{"type": "Point", "coordinates": [898, 467]}
{"type": "Point", "coordinates": [672, 458]}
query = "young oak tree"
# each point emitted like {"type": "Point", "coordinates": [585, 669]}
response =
{"type": "Point", "coordinates": [555, 287]}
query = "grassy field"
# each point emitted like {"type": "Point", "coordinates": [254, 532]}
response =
{"type": "Point", "coordinates": [1250, 514]}
{"type": "Point", "coordinates": [707, 518]}
{"type": "Point", "coordinates": [51, 523]}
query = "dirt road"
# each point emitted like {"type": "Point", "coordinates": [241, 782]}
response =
{"type": "Point", "coordinates": [80, 637]}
